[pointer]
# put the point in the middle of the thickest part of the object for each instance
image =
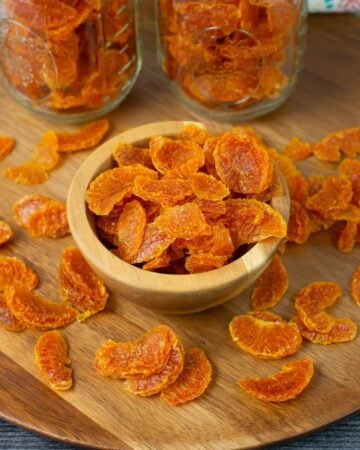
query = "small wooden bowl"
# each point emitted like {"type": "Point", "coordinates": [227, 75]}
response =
{"type": "Point", "coordinates": [179, 294]}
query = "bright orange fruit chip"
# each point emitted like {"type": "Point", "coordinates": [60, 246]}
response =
{"type": "Point", "coordinates": [329, 148]}
{"type": "Point", "coordinates": [298, 150]}
{"type": "Point", "coordinates": [83, 139]}
{"type": "Point", "coordinates": [343, 330]}
{"type": "Point", "coordinates": [6, 232]}
{"type": "Point", "coordinates": [125, 154]}
{"type": "Point", "coordinates": [203, 262]}
{"type": "Point", "coordinates": [26, 206]}
{"type": "Point", "coordinates": [79, 284]}
{"type": "Point", "coordinates": [112, 186]}
{"type": "Point", "coordinates": [147, 355]}
{"type": "Point", "coordinates": [14, 271]}
{"type": "Point", "coordinates": [160, 262]}
{"type": "Point", "coordinates": [183, 221]}
{"type": "Point", "coordinates": [355, 286]}
{"type": "Point", "coordinates": [156, 382]}
{"type": "Point", "coordinates": [49, 221]}
{"type": "Point", "coordinates": [46, 152]}
{"type": "Point", "coordinates": [155, 242]}
{"type": "Point", "coordinates": [37, 311]}
{"type": "Point", "coordinates": [347, 237]}
{"type": "Point", "coordinates": [252, 221]}
{"type": "Point", "coordinates": [242, 163]}
{"type": "Point", "coordinates": [284, 385]}
{"type": "Point", "coordinates": [130, 230]}
{"type": "Point", "coordinates": [51, 357]}
{"type": "Point", "coordinates": [7, 319]}
{"type": "Point", "coordinates": [193, 380]}
{"type": "Point", "coordinates": [7, 144]}
{"type": "Point", "coordinates": [271, 286]}
{"type": "Point", "coordinates": [208, 188]}
{"type": "Point", "coordinates": [311, 301]}
{"type": "Point", "coordinates": [193, 133]}
{"type": "Point", "coordinates": [265, 335]}
{"type": "Point", "coordinates": [299, 225]}
{"type": "Point", "coordinates": [28, 173]}
{"type": "Point", "coordinates": [351, 169]}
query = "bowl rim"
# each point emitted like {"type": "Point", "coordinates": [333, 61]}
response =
{"type": "Point", "coordinates": [122, 272]}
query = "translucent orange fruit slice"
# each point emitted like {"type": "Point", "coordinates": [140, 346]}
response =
{"type": "Point", "coordinates": [86, 137]}
{"type": "Point", "coordinates": [7, 144]}
{"type": "Point", "coordinates": [6, 232]}
{"type": "Point", "coordinates": [14, 271]}
{"type": "Point", "coordinates": [343, 330]}
{"type": "Point", "coordinates": [355, 286]}
{"type": "Point", "coordinates": [7, 319]}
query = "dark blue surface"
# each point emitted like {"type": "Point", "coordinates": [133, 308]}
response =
{"type": "Point", "coordinates": [342, 435]}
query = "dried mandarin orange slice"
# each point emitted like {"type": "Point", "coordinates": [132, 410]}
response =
{"type": "Point", "coordinates": [298, 150]}
{"type": "Point", "coordinates": [355, 286]}
{"type": "Point", "coordinates": [6, 232]}
{"type": "Point", "coordinates": [183, 221]}
{"type": "Point", "coordinates": [350, 168]}
{"type": "Point", "coordinates": [265, 335]}
{"type": "Point", "coordinates": [86, 137]}
{"type": "Point", "coordinates": [299, 225]}
{"type": "Point", "coordinates": [168, 154]}
{"type": "Point", "coordinates": [130, 230]}
{"type": "Point", "coordinates": [156, 382]}
{"type": "Point", "coordinates": [37, 311]}
{"type": "Point", "coordinates": [166, 191]}
{"type": "Point", "coordinates": [329, 148]}
{"type": "Point", "coordinates": [7, 319]}
{"type": "Point", "coordinates": [203, 262]}
{"type": "Point", "coordinates": [334, 196]}
{"type": "Point", "coordinates": [242, 163]}
{"type": "Point", "coordinates": [271, 286]}
{"type": "Point", "coordinates": [147, 355]}
{"type": "Point", "coordinates": [46, 152]}
{"type": "Point", "coordinates": [193, 133]}
{"type": "Point", "coordinates": [284, 385]}
{"type": "Point", "coordinates": [7, 145]}
{"type": "Point", "coordinates": [51, 357]}
{"type": "Point", "coordinates": [311, 301]}
{"type": "Point", "coordinates": [252, 221]}
{"type": "Point", "coordinates": [155, 242]}
{"type": "Point", "coordinates": [343, 330]}
{"type": "Point", "coordinates": [316, 183]}
{"type": "Point", "coordinates": [26, 206]}
{"type": "Point", "coordinates": [14, 271]}
{"type": "Point", "coordinates": [107, 228]}
{"type": "Point", "coordinates": [193, 380]}
{"type": "Point", "coordinates": [79, 284]}
{"type": "Point", "coordinates": [160, 262]}
{"type": "Point", "coordinates": [112, 186]}
{"type": "Point", "coordinates": [49, 221]}
{"type": "Point", "coordinates": [208, 188]}
{"type": "Point", "coordinates": [125, 154]}
{"type": "Point", "coordinates": [212, 210]}
{"type": "Point", "coordinates": [346, 237]}
{"type": "Point", "coordinates": [350, 142]}
{"type": "Point", "coordinates": [209, 147]}
{"type": "Point", "coordinates": [58, 100]}
{"type": "Point", "coordinates": [28, 173]}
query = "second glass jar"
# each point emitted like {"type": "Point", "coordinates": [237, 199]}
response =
{"type": "Point", "coordinates": [232, 59]}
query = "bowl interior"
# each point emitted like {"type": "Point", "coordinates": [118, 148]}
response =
{"type": "Point", "coordinates": [113, 269]}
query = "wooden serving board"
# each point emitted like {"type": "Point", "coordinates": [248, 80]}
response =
{"type": "Point", "coordinates": [98, 412]}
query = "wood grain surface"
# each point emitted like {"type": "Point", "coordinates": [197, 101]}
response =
{"type": "Point", "coordinates": [98, 412]}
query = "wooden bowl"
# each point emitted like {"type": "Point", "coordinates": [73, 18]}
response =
{"type": "Point", "coordinates": [161, 292]}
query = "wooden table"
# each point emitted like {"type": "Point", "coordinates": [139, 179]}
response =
{"type": "Point", "coordinates": [97, 412]}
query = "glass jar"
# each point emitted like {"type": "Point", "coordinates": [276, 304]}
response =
{"type": "Point", "coordinates": [231, 59]}
{"type": "Point", "coordinates": [72, 60]}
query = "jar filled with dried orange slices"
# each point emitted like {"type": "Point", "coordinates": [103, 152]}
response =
{"type": "Point", "coordinates": [232, 59]}
{"type": "Point", "coordinates": [71, 59]}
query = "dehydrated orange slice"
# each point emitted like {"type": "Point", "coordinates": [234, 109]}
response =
{"type": "Point", "coordinates": [355, 286]}
{"type": "Point", "coordinates": [14, 271]}
{"type": "Point", "coordinates": [351, 169]}
{"type": "Point", "coordinates": [346, 237]}
{"type": "Point", "coordinates": [160, 262]}
{"type": "Point", "coordinates": [154, 383]}
{"type": "Point", "coordinates": [298, 150]}
{"type": "Point", "coordinates": [203, 262]}
{"type": "Point", "coordinates": [6, 232]}
{"type": "Point", "coordinates": [208, 188]}
{"type": "Point", "coordinates": [252, 221]}
{"type": "Point", "coordinates": [26, 206]}
{"type": "Point", "coordinates": [79, 284]}
{"type": "Point", "coordinates": [265, 335]}
{"type": "Point", "coordinates": [144, 356]}
{"type": "Point", "coordinates": [343, 330]}
{"type": "Point", "coordinates": [37, 311]}
{"type": "Point", "coordinates": [7, 319]}
{"type": "Point", "coordinates": [130, 230]}
{"type": "Point", "coordinates": [112, 186]}
{"type": "Point", "coordinates": [51, 357]}
{"type": "Point", "coordinates": [271, 286]}
{"type": "Point", "coordinates": [242, 163]}
{"type": "Point", "coordinates": [311, 301]}
{"type": "Point", "coordinates": [155, 242]}
{"type": "Point", "coordinates": [193, 380]}
{"type": "Point", "coordinates": [7, 145]}
{"type": "Point", "coordinates": [284, 385]}
{"type": "Point", "coordinates": [125, 154]}
{"type": "Point", "coordinates": [299, 225]}
{"type": "Point", "coordinates": [46, 152]}
{"type": "Point", "coordinates": [28, 173]}
{"type": "Point", "coordinates": [83, 139]}
{"type": "Point", "coordinates": [211, 210]}
{"type": "Point", "coordinates": [193, 133]}
{"type": "Point", "coordinates": [49, 221]}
